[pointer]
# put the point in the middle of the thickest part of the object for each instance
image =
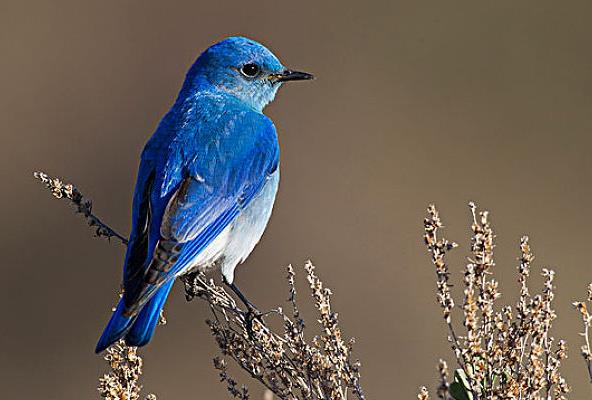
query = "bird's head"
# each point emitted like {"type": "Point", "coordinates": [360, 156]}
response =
{"type": "Point", "coordinates": [245, 69]}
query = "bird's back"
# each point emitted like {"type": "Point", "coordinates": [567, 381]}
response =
{"type": "Point", "coordinates": [216, 140]}
{"type": "Point", "coordinates": [206, 131]}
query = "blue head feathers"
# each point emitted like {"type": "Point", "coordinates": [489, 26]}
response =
{"type": "Point", "coordinates": [242, 68]}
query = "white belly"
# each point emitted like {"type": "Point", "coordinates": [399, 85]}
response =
{"type": "Point", "coordinates": [238, 240]}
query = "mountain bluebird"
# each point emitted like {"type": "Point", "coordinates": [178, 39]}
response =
{"type": "Point", "coordinates": [206, 184]}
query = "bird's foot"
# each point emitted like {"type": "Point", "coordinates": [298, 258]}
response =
{"type": "Point", "coordinates": [252, 318]}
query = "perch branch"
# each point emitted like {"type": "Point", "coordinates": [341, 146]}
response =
{"type": "Point", "coordinates": [283, 362]}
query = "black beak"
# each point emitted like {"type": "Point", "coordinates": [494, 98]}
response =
{"type": "Point", "coordinates": [289, 75]}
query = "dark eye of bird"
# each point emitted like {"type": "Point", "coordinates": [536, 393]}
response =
{"type": "Point", "coordinates": [250, 70]}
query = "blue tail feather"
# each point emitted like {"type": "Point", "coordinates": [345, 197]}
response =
{"type": "Point", "coordinates": [143, 327]}
{"type": "Point", "coordinates": [116, 328]}
{"type": "Point", "coordinates": [137, 330]}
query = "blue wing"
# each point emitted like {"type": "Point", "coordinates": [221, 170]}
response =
{"type": "Point", "coordinates": [198, 171]}
{"type": "Point", "coordinates": [202, 166]}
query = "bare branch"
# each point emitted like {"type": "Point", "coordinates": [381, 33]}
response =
{"type": "Point", "coordinates": [501, 356]}
{"type": "Point", "coordinates": [122, 381]}
{"type": "Point", "coordinates": [582, 307]}
{"type": "Point", "coordinates": [61, 190]}
{"type": "Point", "coordinates": [283, 362]}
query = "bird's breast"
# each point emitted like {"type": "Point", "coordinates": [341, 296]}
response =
{"type": "Point", "coordinates": [234, 244]}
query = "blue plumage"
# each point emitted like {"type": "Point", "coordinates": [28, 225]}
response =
{"type": "Point", "coordinates": [206, 183]}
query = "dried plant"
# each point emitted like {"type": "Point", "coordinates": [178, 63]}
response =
{"type": "Point", "coordinates": [284, 362]}
{"type": "Point", "coordinates": [503, 352]}
{"type": "Point", "coordinates": [121, 383]}
{"type": "Point", "coordinates": [61, 190]}
{"type": "Point", "coordinates": [582, 307]}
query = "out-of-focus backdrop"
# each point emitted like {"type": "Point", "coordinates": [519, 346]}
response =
{"type": "Point", "coordinates": [415, 102]}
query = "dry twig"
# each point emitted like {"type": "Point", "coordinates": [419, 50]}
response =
{"type": "Point", "coordinates": [62, 190]}
{"type": "Point", "coordinates": [285, 363]}
{"type": "Point", "coordinates": [500, 356]}
{"type": "Point", "coordinates": [582, 307]}
{"type": "Point", "coordinates": [121, 383]}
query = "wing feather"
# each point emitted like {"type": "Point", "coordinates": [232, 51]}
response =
{"type": "Point", "coordinates": [221, 172]}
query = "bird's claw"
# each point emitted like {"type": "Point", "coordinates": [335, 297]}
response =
{"type": "Point", "coordinates": [251, 315]}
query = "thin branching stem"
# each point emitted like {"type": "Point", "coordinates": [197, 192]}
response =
{"type": "Point", "coordinates": [61, 190]}
{"type": "Point", "coordinates": [283, 362]}
{"type": "Point", "coordinates": [502, 355]}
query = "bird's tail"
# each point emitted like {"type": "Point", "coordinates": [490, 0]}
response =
{"type": "Point", "coordinates": [143, 327]}
{"type": "Point", "coordinates": [116, 328]}
{"type": "Point", "coordinates": [138, 329]}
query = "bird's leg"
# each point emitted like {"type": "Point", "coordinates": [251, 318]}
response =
{"type": "Point", "coordinates": [252, 311]}
{"type": "Point", "coordinates": [250, 306]}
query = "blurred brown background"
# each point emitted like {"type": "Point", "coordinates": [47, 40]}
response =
{"type": "Point", "coordinates": [415, 102]}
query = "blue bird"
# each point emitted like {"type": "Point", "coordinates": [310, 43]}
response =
{"type": "Point", "coordinates": [206, 184]}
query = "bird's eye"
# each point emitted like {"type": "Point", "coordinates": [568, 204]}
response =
{"type": "Point", "coordinates": [250, 70]}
